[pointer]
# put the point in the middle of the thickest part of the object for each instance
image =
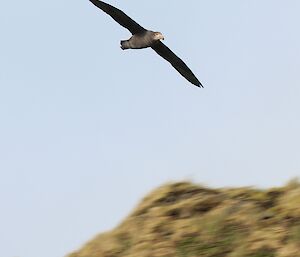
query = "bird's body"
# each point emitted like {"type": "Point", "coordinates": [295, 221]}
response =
{"type": "Point", "coordinates": [142, 38]}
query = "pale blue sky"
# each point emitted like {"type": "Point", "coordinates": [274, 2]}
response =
{"type": "Point", "coordinates": [88, 129]}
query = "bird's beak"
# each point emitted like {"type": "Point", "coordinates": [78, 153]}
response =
{"type": "Point", "coordinates": [162, 38]}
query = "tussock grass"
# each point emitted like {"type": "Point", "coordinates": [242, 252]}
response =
{"type": "Point", "coordinates": [188, 220]}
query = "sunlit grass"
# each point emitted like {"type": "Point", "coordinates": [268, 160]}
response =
{"type": "Point", "coordinates": [187, 220]}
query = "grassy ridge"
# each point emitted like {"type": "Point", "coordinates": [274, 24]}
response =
{"type": "Point", "coordinates": [187, 220]}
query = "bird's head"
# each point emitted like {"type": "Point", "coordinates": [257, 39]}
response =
{"type": "Point", "coordinates": [158, 36]}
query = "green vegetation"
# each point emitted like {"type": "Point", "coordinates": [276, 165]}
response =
{"type": "Point", "coordinates": [187, 220]}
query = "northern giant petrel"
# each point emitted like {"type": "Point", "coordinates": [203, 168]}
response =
{"type": "Point", "coordinates": [142, 38]}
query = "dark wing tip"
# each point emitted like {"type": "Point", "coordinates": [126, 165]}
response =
{"type": "Point", "coordinates": [188, 74]}
{"type": "Point", "coordinates": [177, 63]}
{"type": "Point", "coordinates": [200, 85]}
{"type": "Point", "coordinates": [119, 16]}
{"type": "Point", "coordinates": [197, 83]}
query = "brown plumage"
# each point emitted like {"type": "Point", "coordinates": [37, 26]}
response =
{"type": "Point", "coordinates": [142, 38]}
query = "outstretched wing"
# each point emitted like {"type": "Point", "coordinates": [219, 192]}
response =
{"type": "Point", "coordinates": [176, 62]}
{"type": "Point", "coordinates": [119, 17]}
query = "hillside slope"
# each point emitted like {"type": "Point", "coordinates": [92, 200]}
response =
{"type": "Point", "coordinates": [187, 220]}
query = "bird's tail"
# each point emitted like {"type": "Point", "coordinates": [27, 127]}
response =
{"type": "Point", "coordinates": [124, 44]}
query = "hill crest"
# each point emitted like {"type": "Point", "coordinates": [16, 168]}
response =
{"type": "Point", "coordinates": [187, 220]}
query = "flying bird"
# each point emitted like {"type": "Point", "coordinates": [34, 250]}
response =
{"type": "Point", "coordinates": [143, 38]}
